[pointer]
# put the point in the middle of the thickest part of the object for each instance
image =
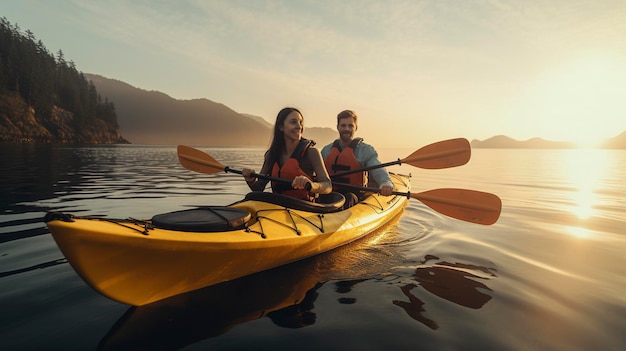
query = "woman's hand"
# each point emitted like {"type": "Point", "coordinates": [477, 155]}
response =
{"type": "Point", "coordinates": [300, 182]}
{"type": "Point", "coordinates": [247, 174]}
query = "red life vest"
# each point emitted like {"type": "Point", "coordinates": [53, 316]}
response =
{"type": "Point", "coordinates": [290, 170]}
{"type": "Point", "coordinates": [339, 160]}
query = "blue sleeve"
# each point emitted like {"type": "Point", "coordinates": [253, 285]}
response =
{"type": "Point", "coordinates": [326, 150]}
{"type": "Point", "coordinates": [367, 156]}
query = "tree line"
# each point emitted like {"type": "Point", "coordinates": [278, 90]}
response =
{"type": "Point", "coordinates": [44, 80]}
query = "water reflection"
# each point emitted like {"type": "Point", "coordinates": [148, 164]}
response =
{"type": "Point", "coordinates": [344, 287]}
{"type": "Point", "coordinates": [34, 267]}
{"type": "Point", "coordinates": [22, 228]}
{"type": "Point", "coordinates": [454, 282]}
{"type": "Point", "coordinates": [584, 170]}
{"type": "Point", "coordinates": [298, 315]}
{"type": "Point", "coordinates": [33, 171]}
{"type": "Point", "coordinates": [286, 295]}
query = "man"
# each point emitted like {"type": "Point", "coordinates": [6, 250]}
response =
{"type": "Point", "coordinates": [348, 153]}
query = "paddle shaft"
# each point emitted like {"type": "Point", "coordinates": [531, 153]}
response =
{"type": "Point", "coordinates": [368, 189]}
{"type": "Point", "coordinates": [307, 187]}
{"type": "Point", "coordinates": [442, 154]}
{"type": "Point", "coordinates": [201, 162]}
{"type": "Point", "coordinates": [369, 168]}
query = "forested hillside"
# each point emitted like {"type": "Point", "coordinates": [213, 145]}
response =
{"type": "Point", "coordinates": [153, 117]}
{"type": "Point", "coordinates": [44, 98]}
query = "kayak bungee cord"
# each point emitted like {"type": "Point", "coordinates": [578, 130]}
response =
{"type": "Point", "coordinates": [147, 226]}
{"type": "Point", "coordinates": [291, 215]}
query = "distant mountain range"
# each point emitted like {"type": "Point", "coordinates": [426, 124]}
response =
{"type": "Point", "coordinates": [504, 142]}
{"type": "Point", "coordinates": [152, 117]}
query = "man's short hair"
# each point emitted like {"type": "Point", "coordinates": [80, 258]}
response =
{"type": "Point", "coordinates": [347, 114]}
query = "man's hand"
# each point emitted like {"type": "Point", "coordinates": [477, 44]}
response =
{"type": "Point", "coordinates": [386, 190]}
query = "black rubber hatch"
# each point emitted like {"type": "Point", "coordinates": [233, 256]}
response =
{"type": "Point", "coordinates": [203, 219]}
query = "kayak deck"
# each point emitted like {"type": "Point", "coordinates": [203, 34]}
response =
{"type": "Point", "coordinates": [135, 262]}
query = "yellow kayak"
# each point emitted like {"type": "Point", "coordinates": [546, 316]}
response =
{"type": "Point", "coordinates": [137, 262]}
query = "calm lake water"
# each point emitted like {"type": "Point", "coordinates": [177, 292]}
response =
{"type": "Point", "coordinates": [549, 275]}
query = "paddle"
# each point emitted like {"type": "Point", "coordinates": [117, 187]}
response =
{"type": "Point", "coordinates": [443, 154]}
{"type": "Point", "coordinates": [201, 162]}
{"type": "Point", "coordinates": [466, 205]}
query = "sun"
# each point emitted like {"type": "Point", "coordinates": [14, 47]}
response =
{"type": "Point", "coordinates": [578, 101]}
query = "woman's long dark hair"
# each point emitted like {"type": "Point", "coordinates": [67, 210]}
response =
{"type": "Point", "coordinates": [278, 139]}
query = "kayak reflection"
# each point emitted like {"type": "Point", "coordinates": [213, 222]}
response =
{"type": "Point", "coordinates": [285, 295]}
{"type": "Point", "coordinates": [454, 282]}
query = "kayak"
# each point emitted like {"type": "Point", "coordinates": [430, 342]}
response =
{"type": "Point", "coordinates": [138, 262]}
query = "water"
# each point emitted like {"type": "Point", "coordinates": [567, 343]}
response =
{"type": "Point", "coordinates": [549, 275]}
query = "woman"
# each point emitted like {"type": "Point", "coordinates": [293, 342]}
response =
{"type": "Point", "coordinates": [292, 157]}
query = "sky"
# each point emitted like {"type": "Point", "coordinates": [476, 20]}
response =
{"type": "Point", "coordinates": [414, 71]}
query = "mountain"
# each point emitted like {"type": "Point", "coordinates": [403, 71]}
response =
{"type": "Point", "coordinates": [504, 142]}
{"type": "Point", "coordinates": [321, 135]}
{"type": "Point", "coordinates": [259, 119]}
{"type": "Point", "coordinates": [152, 117]}
{"type": "Point", "coordinates": [617, 142]}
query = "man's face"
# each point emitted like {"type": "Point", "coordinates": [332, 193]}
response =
{"type": "Point", "coordinates": [346, 128]}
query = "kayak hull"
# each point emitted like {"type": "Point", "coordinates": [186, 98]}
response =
{"type": "Point", "coordinates": [136, 264]}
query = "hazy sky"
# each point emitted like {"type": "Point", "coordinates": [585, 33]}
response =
{"type": "Point", "coordinates": [414, 71]}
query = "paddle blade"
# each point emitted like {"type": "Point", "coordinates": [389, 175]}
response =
{"type": "Point", "coordinates": [466, 205]}
{"type": "Point", "coordinates": [442, 154]}
{"type": "Point", "coordinates": [198, 161]}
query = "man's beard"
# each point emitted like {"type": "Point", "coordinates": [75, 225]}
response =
{"type": "Point", "coordinates": [345, 137]}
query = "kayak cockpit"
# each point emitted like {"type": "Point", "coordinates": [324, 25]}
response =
{"type": "Point", "coordinates": [326, 203]}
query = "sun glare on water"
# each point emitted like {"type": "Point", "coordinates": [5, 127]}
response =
{"type": "Point", "coordinates": [585, 169]}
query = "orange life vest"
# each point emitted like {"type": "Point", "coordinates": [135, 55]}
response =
{"type": "Point", "coordinates": [340, 160]}
{"type": "Point", "coordinates": [290, 170]}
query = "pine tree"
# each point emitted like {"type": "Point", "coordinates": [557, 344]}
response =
{"type": "Point", "coordinates": [44, 81]}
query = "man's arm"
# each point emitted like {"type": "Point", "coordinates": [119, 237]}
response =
{"type": "Point", "coordinates": [367, 156]}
